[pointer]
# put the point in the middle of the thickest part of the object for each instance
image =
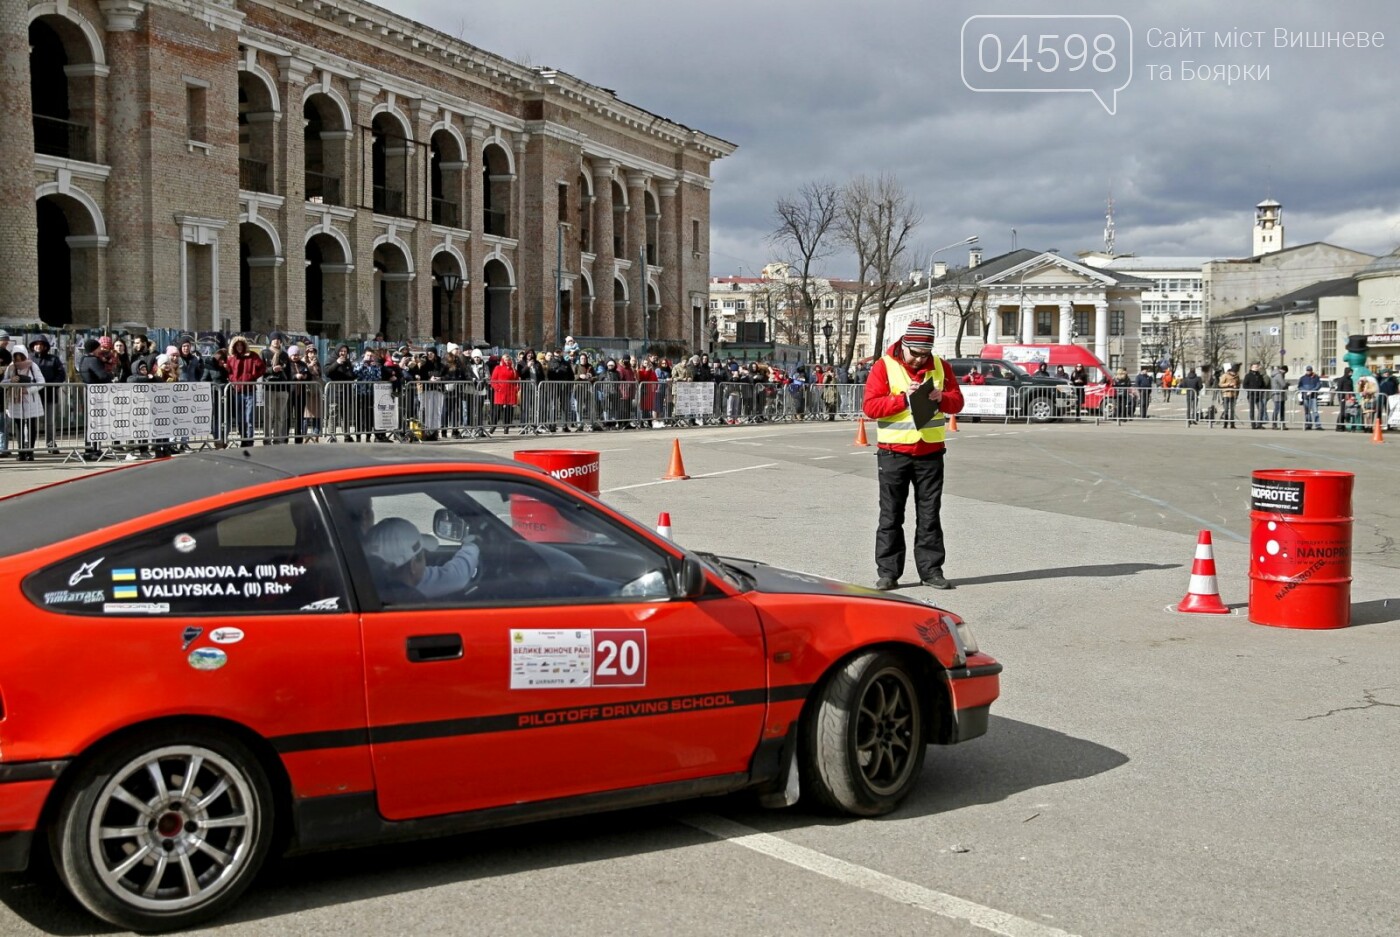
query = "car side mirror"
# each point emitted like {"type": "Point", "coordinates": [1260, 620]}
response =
{"type": "Point", "coordinates": [690, 578]}
{"type": "Point", "coordinates": [448, 526]}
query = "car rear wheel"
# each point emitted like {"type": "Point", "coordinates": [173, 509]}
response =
{"type": "Point", "coordinates": [864, 743]}
{"type": "Point", "coordinates": [164, 830]}
{"type": "Point", "coordinates": [1041, 409]}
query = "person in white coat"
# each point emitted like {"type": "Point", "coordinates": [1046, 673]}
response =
{"type": "Point", "coordinates": [24, 402]}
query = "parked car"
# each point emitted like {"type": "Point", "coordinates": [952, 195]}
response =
{"type": "Point", "coordinates": [243, 651]}
{"type": "Point", "coordinates": [1037, 397]}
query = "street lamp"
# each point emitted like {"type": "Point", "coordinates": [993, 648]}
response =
{"type": "Point", "coordinates": [928, 304]}
{"type": "Point", "coordinates": [826, 334]}
{"type": "Point", "coordinates": [449, 282]}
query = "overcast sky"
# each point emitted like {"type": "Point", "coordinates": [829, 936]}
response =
{"type": "Point", "coordinates": [820, 89]}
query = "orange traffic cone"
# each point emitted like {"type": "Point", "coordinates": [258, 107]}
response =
{"type": "Point", "coordinates": [860, 433]}
{"type": "Point", "coordinates": [1378, 434]}
{"type": "Point", "coordinates": [663, 525]}
{"type": "Point", "coordinates": [677, 468]}
{"type": "Point", "coordinates": [952, 422]}
{"type": "Point", "coordinates": [1203, 594]}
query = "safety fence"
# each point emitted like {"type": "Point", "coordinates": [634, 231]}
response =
{"type": "Point", "coordinates": [131, 421]}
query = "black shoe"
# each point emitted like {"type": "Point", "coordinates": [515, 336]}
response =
{"type": "Point", "coordinates": [935, 580]}
{"type": "Point", "coordinates": [886, 583]}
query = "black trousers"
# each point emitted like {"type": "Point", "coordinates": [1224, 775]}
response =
{"type": "Point", "coordinates": [897, 473]}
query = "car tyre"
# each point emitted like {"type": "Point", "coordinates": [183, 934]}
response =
{"type": "Point", "coordinates": [1108, 409]}
{"type": "Point", "coordinates": [196, 807]}
{"type": "Point", "coordinates": [864, 740]}
{"type": "Point", "coordinates": [1041, 409]}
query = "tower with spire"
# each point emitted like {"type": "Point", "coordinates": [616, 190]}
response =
{"type": "Point", "coordinates": [1108, 231]}
{"type": "Point", "coordinates": [1268, 227]}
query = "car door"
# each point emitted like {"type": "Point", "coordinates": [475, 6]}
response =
{"type": "Point", "coordinates": [562, 666]}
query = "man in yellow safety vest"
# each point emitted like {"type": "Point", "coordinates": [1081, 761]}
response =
{"type": "Point", "coordinates": [910, 453]}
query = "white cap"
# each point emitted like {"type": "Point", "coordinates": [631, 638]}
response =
{"type": "Point", "coordinates": [394, 541]}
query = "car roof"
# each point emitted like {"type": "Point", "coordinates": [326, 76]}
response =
{"type": "Point", "coordinates": [57, 512]}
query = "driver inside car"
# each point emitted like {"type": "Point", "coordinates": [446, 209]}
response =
{"type": "Point", "coordinates": [400, 564]}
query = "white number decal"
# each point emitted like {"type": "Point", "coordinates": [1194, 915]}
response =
{"type": "Point", "coordinates": [628, 657]}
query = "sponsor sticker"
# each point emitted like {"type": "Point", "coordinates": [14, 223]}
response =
{"type": "Point", "coordinates": [226, 635]}
{"type": "Point", "coordinates": [84, 571]}
{"type": "Point", "coordinates": [207, 658]}
{"type": "Point", "coordinates": [568, 659]}
{"type": "Point", "coordinates": [331, 604]}
{"type": "Point", "coordinates": [1276, 496]}
{"type": "Point", "coordinates": [184, 543]}
{"type": "Point", "coordinates": [68, 597]}
{"type": "Point", "coordinates": [189, 636]}
{"type": "Point", "coordinates": [136, 608]}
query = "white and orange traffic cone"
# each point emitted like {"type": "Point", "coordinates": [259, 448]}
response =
{"type": "Point", "coordinates": [663, 525]}
{"type": "Point", "coordinates": [1203, 595]}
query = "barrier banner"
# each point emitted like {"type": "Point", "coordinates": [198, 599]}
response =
{"type": "Point", "coordinates": [386, 408]}
{"type": "Point", "coordinates": [981, 400]}
{"type": "Point", "coordinates": [143, 412]}
{"type": "Point", "coordinates": [692, 399]}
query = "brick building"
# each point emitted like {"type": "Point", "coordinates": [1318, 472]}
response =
{"type": "Point", "coordinates": [328, 166]}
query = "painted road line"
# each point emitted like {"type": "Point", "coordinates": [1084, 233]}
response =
{"type": "Point", "coordinates": [858, 876]}
{"type": "Point", "coordinates": [667, 481]}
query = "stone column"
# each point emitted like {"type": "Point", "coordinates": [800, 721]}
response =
{"type": "Point", "coordinates": [473, 302]}
{"type": "Point", "coordinates": [604, 321]}
{"type": "Point", "coordinates": [1066, 321]}
{"type": "Point", "coordinates": [1027, 321]}
{"type": "Point", "coordinates": [672, 295]}
{"type": "Point", "coordinates": [290, 172]}
{"type": "Point", "coordinates": [19, 227]}
{"type": "Point", "coordinates": [361, 314]}
{"type": "Point", "coordinates": [1101, 330]}
{"type": "Point", "coordinates": [522, 328]}
{"type": "Point", "coordinates": [129, 222]}
{"type": "Point", "coordinates": [637, 243]}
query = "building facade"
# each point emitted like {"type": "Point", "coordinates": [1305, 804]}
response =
{"type": "Point", "coordinates": [1029, 297]}
{"type": "Point", "coordinates": [330, 167]}
{"type": "Point", "coordinates": [768, 308]}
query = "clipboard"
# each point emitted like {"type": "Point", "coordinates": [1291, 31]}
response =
{"type": "Point", "coordinates": [921, 407]}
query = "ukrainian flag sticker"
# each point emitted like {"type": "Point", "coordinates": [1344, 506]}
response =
{"type": "Point", "coordinates": [123, 575]}
{"type": "Point", "coordinates": [123, 592]}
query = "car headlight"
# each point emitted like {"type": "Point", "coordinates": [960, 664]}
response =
{"type": "Point", "coordinates": [963, 632]}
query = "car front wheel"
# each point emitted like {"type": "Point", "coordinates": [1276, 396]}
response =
{"type": "Point", "coordinates": [864, 743]}
{"type": "Point", "coordinates": [163, 831]}
{"type": "Point", "coordinates": [1041, 409]}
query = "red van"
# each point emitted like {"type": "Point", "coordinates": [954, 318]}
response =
{"type": "Point", "coordinates": [1031, 357]}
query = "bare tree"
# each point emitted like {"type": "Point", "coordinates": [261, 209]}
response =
{"type": "Point", "coordinates": [876, 221]}
{"type": "Point", "coordinates": [1217, 345]}
{"type": "Point", "coordinates": [804, 231]}
{"type": "Point", "coordinates": [970, 300]}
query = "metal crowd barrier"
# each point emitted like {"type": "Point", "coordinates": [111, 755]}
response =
{"type": "Point", "coordinates": [58, 419]}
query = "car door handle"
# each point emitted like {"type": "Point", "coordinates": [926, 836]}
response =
{"type": "Point", "coordinates": [424, 648]}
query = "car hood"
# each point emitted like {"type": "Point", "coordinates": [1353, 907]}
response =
{"type": "Point", "coordinates": [775, 579]}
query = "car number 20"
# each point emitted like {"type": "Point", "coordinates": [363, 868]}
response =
{"type": "Point", "coordinates": [620, 657]}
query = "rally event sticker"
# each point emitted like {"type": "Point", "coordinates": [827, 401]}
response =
{"type": "Point", "coordinates": [207, 658]}
{"type": "Point", "coordinates": [572, 658]}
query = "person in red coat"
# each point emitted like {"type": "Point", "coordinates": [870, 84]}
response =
{"type": "Point", "coordinates": [505, 392]}
{"type": "Point", "coordinates": [245, 369]}
{"type": "Point", "coordinates": [910, 454]}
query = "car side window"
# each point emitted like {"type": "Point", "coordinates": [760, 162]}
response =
{"type": "Point", "coordinates": [269, 556]}
{"type": "Point", "coordinates": [482, 541]}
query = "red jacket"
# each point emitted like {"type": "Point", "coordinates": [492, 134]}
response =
{"type": "Point", "coordinates": [245, 368]}
{"type": "Point", "coordinates": [880, 403]}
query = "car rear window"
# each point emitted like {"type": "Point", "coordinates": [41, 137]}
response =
{"type": "Point", "coordinates": [48, 515]}
{"type": "Point", "coordinates": [268, 556]}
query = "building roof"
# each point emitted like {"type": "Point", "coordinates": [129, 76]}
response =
{"type": "Point", "coordinates": [993, 267]}
{"type": "Point", "coordinates": [1278, 253]}
{"type": "Point", "coordinates": [1390, 263]}
{"type": "Point", "coordinates": [1296, 301]}
{"type": "Point", "coordinates": [1131, 262]}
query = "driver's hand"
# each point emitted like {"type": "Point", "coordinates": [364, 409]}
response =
{"type": "Point", "coordinates": [471, 549]}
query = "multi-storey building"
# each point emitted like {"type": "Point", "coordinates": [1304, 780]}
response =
{"type": "Point", "coordinates": [331, 167]}
{"type": "Point", "coordinates": [769, 308]}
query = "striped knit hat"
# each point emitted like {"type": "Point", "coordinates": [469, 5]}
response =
{"type": "Point", "coordinates": [919, 336]}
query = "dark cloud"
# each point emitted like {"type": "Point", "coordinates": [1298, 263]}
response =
{"type": "Point", "coordinates": [815, 89]}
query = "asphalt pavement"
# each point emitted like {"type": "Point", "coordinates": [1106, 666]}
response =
{"type": "Point", "coordinates": [1145, 772]}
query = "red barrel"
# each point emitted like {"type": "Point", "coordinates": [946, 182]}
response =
{"type": "Point", "coordinates": [540, 522]}
{"type": "Point", "coordinates": [1300, 548]}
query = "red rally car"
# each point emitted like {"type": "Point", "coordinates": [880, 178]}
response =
{"type": "Point", "coordinates": [209, 658]}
